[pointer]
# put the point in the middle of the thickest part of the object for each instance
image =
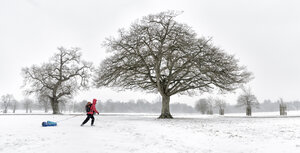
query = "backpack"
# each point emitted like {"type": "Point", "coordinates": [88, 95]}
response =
{"type": "Point", "coordinates": [88, 108]}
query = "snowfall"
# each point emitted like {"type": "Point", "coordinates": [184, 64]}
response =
{"type": "Point", "coordinates": [144, 133]}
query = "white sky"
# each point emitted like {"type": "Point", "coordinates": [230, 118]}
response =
{"type": "Point", "coordinates": [263, 34]}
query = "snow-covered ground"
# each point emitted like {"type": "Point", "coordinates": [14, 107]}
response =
{"type": "Point", "coordinates": [136, 133]}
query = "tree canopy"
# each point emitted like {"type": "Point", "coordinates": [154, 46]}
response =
{"type": "Point", "coordinates": [159, 54]}
{"type": "Point", "coordinates": [247, 99]}
{"type": "Point", "coordinates": [62, 76]}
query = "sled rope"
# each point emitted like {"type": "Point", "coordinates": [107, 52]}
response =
{"type": "Point", "coordinates": [68, 118]}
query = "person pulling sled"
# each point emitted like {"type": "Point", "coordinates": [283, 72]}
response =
{"type": "Point", "coordinates": [90, 109]}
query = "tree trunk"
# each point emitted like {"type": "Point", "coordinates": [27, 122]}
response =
{"type": "Point", "coordinates": [248, 111]}
{"type": "Point", "coordinates": [282, 109]}
{"type": "Point", "coordinates": [55, 106]}
{"type": "Point", "coordinates": [165, 110]}
{"type": "Point", "coordinates": [221, 111]}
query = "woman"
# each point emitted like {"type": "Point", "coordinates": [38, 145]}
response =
{"type": "Point", "coordinates": [90, 109]}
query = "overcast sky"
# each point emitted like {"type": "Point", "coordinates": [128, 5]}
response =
{"type": "Point", "coordinates": [263, 34]}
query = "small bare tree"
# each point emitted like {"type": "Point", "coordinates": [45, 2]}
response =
{"type": "Point", "coordinates": [248, 100]}
{"type": "Point", "coordinates": [62, 76]}
{"type": "Point", "coordinates": [202, 106]}
{"type": "Point", "coordinates": [220, 104]}
{"type": "Point", "coordinates": [158, 54]}
{"type": "Point", "coordinates": [282, 107]}
{"type": "Point", "coordinates": [6, 101]}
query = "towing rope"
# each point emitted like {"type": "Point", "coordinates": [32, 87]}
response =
{"type": "Point", "coordinates": [69, 118]}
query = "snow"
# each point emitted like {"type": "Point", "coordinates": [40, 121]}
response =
{"type": "Point", "coordinates": [144, 133]}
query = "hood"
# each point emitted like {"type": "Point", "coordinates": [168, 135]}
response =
{"type": "Point", "coordinates": [94, 101]}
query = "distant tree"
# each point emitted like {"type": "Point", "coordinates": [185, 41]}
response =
{"type": "Point", "coordinates": [6, 101]}
{"type": "Point", "coordinates": [220, 104]}
{"type": "Point", "coordinates": [248, 100]}
{"type": "Point", "coordinates": [14, 105]}
{"type": "Point", "coordinates": [63, 104]}
{"type": "Point", "coordinates": [210, 104]}
{"type": "Point", "coordinates": [202, 106]}
{"type": "Point", "coordinates": [181, 108]}
{"type": "Point", "coordinates": [80, 107]}
{"type": "Point", "coordinates": [28, 103]}
{"type": "Point", "coordinates": [71, 106]}
{"type": "Point", "coordinates": [62, 76]}
{"type": "Point", "coordinates": [109, 106]}
{"type": "Point", "coordinates": [159, 54]}
{"type": "Point", "coordinates": [140, 103]}
{"type": "Point", "coordinates": [268, 106]}
{"type": "Point", "coordinates": [44, 101]}
{"type": "Point", "coordinates": [282, 107]}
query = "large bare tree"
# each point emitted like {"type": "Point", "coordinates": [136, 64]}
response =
{"type": "Point", "coordinates": [159, 54]}
{"type": "Point", "coordinates": [62, 76]}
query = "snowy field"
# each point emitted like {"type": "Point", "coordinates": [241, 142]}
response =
{"type": "Point", "coordinates": [143, 133]}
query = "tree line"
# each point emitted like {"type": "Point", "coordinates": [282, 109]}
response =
{"type": "Point", "coordinates": [208, 105]}
{"type": "Point", "coordinates": [133, 106]}
{"type": "Point", "coordinates": [265, 106]}
{"type": "Point", "coordinates": [246, 102]}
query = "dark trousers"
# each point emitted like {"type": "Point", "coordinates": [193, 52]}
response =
{"type": "Point", "coordinates": [88, 118]}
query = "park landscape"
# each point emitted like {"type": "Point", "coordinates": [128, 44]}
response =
{"type": "Point", "coordinates": [156, 54]}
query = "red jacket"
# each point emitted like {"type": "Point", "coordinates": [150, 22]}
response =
{"type": "Point", "coordinates": [93, 108]}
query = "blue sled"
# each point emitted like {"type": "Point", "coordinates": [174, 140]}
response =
{"type": "Point", "coordinates": [49, 123]}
